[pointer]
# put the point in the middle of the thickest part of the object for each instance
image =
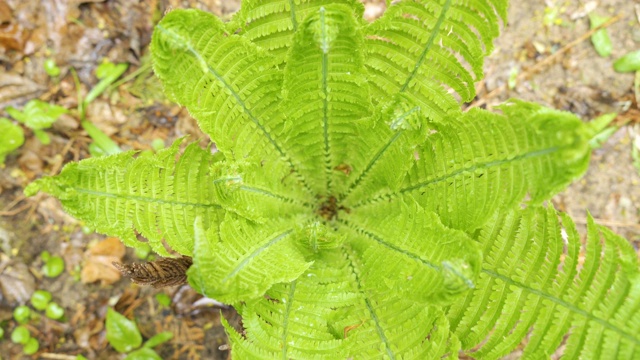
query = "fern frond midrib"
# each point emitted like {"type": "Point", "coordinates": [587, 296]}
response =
{"type": "Point", "coordinates": [563, 303]}
{"type": "Point", "coordinates": [143, 198]}
{"type": "Point", "coordinates": [285, 321]}
{"type": "Point", "coordinates": [277, 196]}
{"type": "Point", "coordinates": [384, 243]}
{"type": "Point", "coordinates": [206, 67]}
{"type": "Point", "coordinates": [472, 168]}
{"type": "Point", "coordinates": [365, 172]}
{"type": "Point", "coordinates": [257, 252]}
{"type": "Point", "coordinates": [294, 21]}
{"type": "Point", "coordinates": [325, 100]}
{"type": "Point", "coordinates": [427, 46]}
{"type": "Point", "coordinates": [372, 313]}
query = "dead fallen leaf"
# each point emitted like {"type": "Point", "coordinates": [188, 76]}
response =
{"type": "Point", "coordinates": [15, 88]}
{"type": "Point", "coordinates": [17, 283]}
{"type": "Point", "coordinates": [99, 262]}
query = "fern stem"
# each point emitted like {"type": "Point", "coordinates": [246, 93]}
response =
{"type": "Point", "coordinates": [143, 198]}
{"type": "Point", "coordinates": [325, 102]}
{"type": "Point", "coordinates": [285, 321]}
{"type": "Point", "coordinates": [372, 312]}
{"type": "Point", "coordinates": [277, 196]}
{"type": "Point", "coordinates": [564, 304]}
{"type": "Point", "coordinates": [427, 46]}
{"type": "Point", "coordinates": [292, 5]}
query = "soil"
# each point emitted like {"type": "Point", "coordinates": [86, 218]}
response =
{"type": "Point", "coordinates": [79, 34]}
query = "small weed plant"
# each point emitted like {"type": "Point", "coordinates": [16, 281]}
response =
{"type": "Point", "coordinates": [352, 209]}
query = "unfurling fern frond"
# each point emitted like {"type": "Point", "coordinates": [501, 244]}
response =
{"type": "Point", "coordinates": [540, 284]}
{"type": "Point", "coordinates": [271, 24]}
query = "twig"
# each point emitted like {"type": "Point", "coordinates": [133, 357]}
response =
{"type": "Point", "coordinates": [15, 211]}
{"type": "Point", "coordinates": [611, 223]}
{"type": "Point", "coordinates": [57, 356]}
{"type": "Point", "coordinates": [545, 62]}
{"type": "Point", "coordinates": [15, 201]}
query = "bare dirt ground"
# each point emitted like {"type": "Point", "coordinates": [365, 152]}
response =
{"type": "Point", "coordinates": [79, 34]}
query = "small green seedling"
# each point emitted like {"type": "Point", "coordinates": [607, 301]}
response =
{"type": "Point", "coordinates": [600, 39]}
{"type": "Point", "coordinates": [124, 337]}
{"type": "Point", "coordinates": [40, 299]}
{"type": "Point", "coordinates": [22, 314]}
{"type": "Point", "coordinates": [11, 138]}
{"type": "Point", "coordinates": [143, 252]}
{"type": "Point", "coordinates": [628, 63]}
{"type": "Point", "coordinates": [1, 333]}
{"type": "Point", "coordinates": [54, 311]}
{"type": "Point", "coordinates": [38, 115]}
{"type": "Point", "coordinates": [108, 73]}
{"type": "Point", "coordinates": [20, 335]}
{"type": "Point", "coordinates": [163, 299]}
{"type": "Point", "coordinates": [53, 265]}
{"type": "Point", "coordinates": [51, 68]}
{"type": "Point", "coordinates": [31, 347]}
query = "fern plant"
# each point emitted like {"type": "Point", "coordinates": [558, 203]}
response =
{"type": "Point", "coordinates": [352, 210]}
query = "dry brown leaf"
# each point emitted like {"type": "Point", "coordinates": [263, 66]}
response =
{"type": "Point", "coordinates": [15, 88]}
{"type": "Point", "coordinates": [99, 262]}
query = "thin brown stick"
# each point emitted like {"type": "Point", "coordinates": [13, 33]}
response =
{"type": "Point", "coordinates": [15, 211]}
{"type": "Point", "coordinates": [610, 223]}
{"type": "Point", "coordinates": [545, 62]}
{"type": "Point", "coordinates": [57, 356]}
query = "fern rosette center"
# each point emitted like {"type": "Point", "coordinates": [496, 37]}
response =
{"type": "Point", "coordinates": [352, 207]}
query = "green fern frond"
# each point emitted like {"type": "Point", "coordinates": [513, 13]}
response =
{"type": "Point", "coordinates": [473, 164]}
{"type": "Point", "coordinates": [228, 84]}
{"type": "Point", "coordinates": [327, 314]}
{"type": "Point", "coordinates": [442, 264]}
{"type": "Point", "coordinates": [325, 94]}
{"type": "Point", "coordinates": [154, 195]}
{"type": "Point", "coordinates": [240, 260]}
{"type": "Point", "coordinates": [536, 286]}
{"type": "Point", "coordinates": [271, 24]}
{"type": "Point", "coordinates": [422, 47]}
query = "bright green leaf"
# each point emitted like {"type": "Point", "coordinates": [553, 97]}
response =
{"type": "Point", "coordinates": [600, 39]}
{"type": "Point", "coordinates": [143, 354]}
{"type": "Point", "coordinates": [40, 299]}
{"type": "Point", "coordinates": [122, 333]}
{"type": "Point", "coordinates": [31, 346]}
{"type": "Point", "coordinates": [42, 136]}
{"type": "Point", "coordinates": [629, 62]}
{"type": "Point", "coordinates": [51, 68]}
{"type": "Point", "coordinates": [102, 145]}
{"type": "Point", "coordinates": [53, 267]}
{"type": "Point", "coordinates": [11, 138]}
{"type": "Point", "coordinates": [54, 311]}
{"type": "Point", "coordinates": [158, 339]}
{"type": "Point", "coordinates": [22, 314]}
{"type": "Point", "coordinates": [37, 114]}
{"type": "Point", "coordinates": [20, 335]}
{"type": "Point", "coordinates": [108, 73]}
{"type": "Point", "coordinates": [163, 299]}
